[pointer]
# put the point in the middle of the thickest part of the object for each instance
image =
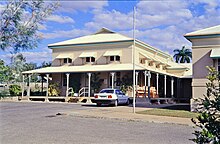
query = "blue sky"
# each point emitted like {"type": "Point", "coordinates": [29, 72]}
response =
{"type": "Point", "coordinates": [161, 24]}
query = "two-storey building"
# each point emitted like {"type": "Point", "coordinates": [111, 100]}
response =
{"type": "Point", "coordinates": [106, 57]}
{"type": "Point", "coordinates": [205, 52]}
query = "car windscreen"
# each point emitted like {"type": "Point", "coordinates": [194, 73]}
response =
{"type": "Point", "coordinates": [106, 91]}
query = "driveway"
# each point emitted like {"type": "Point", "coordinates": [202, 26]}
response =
{"type": "Point", "coordinates": [27, 123]}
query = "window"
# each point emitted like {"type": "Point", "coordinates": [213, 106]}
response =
{"type": "Point", "coordinates": [87, 59]}
{"type": "Point", "coordinates": [117, 58]}
{"type": "Point", "coordinates": [114, 58]}
{"type": "Point", "coordinates": [90, 59]}
{"type": "Point", "coordinates": [158, 66]}
{"type": "Point", "coordinates": [117, 92]}
{"type": "Point", "coordinates": [142, 61]}
{"type": "Point", "coordinates": [107, 91]}
{"type": "Point", "coordinates": [67, 60]}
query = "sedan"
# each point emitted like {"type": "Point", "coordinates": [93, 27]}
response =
{"type": "Point", "coordinates": [111, 96]}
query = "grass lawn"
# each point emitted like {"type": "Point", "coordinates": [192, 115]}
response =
{"type": "Point", "coordinates": [171, 113]}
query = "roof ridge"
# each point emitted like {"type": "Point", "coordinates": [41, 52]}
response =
{"type": "Point", "coordinates": [204, 31]}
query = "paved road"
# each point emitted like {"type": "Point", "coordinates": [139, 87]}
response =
{"type": "Point", "coordinates": [37, 123]}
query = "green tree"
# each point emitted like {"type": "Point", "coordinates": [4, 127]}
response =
{"type": "Point", "coordinates": [15, 90]}
{"type": "Point", "coordinates": [96, 82]}
{"type": "Point", "coordinates": [208, 120]}
{"type": "Point", "coordinates": [6, 74]}
{"type": "Point", "coordinates": [126, 83]}
{"type": "Point", "coordinates": [182, 55]}
{"type": "Point", "coordinates": [45, 64]}
{"type": "Point", "coordinates": [19, 64]}
{"type": "Point", "coordinates": [19, 23]}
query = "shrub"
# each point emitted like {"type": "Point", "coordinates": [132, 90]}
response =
{"type": "Point", "coordinates": [4, 93]}
{"type": "Point", "coordinates": [53, 89]}
{"type": "Point", "coordinates": [208, 120]}
{"type": "Point", "coordinates": [15, 90]}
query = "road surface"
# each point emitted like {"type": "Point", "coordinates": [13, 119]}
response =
{"type": "Point", "coordinates": [37, 123]}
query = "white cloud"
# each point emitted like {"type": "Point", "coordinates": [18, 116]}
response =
{"type": "Point", "coordinates": [35, 57]}
{"type": "Point", "coordinates": [160, 23]}
{"type": "Point", "coordinates": [60, 19]}
{"type": "Point", "coordinates": [66, 34]}
{"type": "Point", "coordinates": [110, 19]}
{"type": "Point", "coordinates": [72, 6]}
{"type": "Point", "coordinates": [38, 57]}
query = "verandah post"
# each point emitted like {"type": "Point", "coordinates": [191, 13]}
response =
{"type": "Point", "coordinates": [149, 77]}
{"type": "Point", "coordinates": [89, 89]}
{"type": "Point", "coordinates": [172, 87]}
{"type": "Point", "coordinates": [165, 86]}
{"type": "Point", "coordinates": [157, 82]}
{"type": "Point", "coordinates": [67, 86]}
{"type": "Point", "coordinates": [112, 74]}
{"type": "Point", "coordinates": [47, 92]}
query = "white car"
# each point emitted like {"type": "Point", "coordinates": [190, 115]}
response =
{"type": "Point", "coordinates": [111, 96]}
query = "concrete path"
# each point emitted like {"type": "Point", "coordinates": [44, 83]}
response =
{"type": "Point", "coordinates": [126, 113]}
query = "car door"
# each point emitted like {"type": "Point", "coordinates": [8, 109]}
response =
{"type": "Point", "coordinates": [119, 95]}
{"type": "Point", "coordinates": [123, 97]}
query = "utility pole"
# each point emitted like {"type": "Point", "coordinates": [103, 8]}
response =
{"type": "Point", "coordinates": [133, 53]}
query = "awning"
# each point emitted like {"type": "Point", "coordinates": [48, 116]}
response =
{"type": "Point", "coordinates": [112, 53]}
{"type": "Point", "coordinates": [144, 56]}
{"type": "Point", "coordinates": [84, 68]}
{"type": "Point", "coordinates": [215, 53]}
{"type": "Point", "coordinates": [64, 55]}
{"type": "Point", "coordinates": [154, 59]}
{"type": "Point", "coordinates": [88, 54]}
{"type": "Point", "coordinates": [94, 68]}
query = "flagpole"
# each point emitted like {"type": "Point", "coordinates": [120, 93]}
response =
{"type": "Point", "coordinates": [133, 59]}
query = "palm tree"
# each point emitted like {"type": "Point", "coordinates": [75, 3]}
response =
{"type": "Point", "coordinates": [182, 55]}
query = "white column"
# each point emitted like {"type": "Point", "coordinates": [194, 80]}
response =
{"type": "Point", "coordinates": [67, 85]}
{"type": "Point", "coordinates": [47, 93]}
{"type": "Point", "coordinates": [145, 83]}
{"type": "Point", "coordinates": [22, 94]}
{"type": "Point", "coordinates": [165, 86]}
{"type": "Point", "coordinates": [29, 86]}
{"type": "Point", "coordinates": [112, 75]}
{"type": "Point", "coordinates": [157, 82]}
{"type": "Point", "coordinates": [136, 79]}
{"type": "Point", "coordinates": [148, 85]}
{"type": "Point", "coordinates": [89, 89]}
{"type": "Point", "coordinates": [172, 85]}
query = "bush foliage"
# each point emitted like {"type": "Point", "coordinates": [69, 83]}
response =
{"type": "Point", "coordinates": [15, 90]}
{"type": "Point", "coordinates": [208, 120]}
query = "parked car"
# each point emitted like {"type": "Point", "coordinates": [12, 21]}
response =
{"type": "Point", "coordinates": [111, 96]}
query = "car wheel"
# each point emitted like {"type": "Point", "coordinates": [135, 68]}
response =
{"type": "Point", "coordinates": [116, 103]}
{"type": "Point", "coordinates": [128, 102]}
{"type": "Point", "coordinates": [98, 104]}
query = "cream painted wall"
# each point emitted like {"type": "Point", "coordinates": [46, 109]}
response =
{"type": "Point", "coordinates": [201, 59]}
{"type": "Point", "coordinates": [201, 50]}
{"type": "Point", "coordinates": [99, 48]}
{"type": "Point", "coordinates": [205, 42]}
{"type": "Point", "coordinates": [126, 57]}
{"type": "Point", "coordinates": [141, 50]}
